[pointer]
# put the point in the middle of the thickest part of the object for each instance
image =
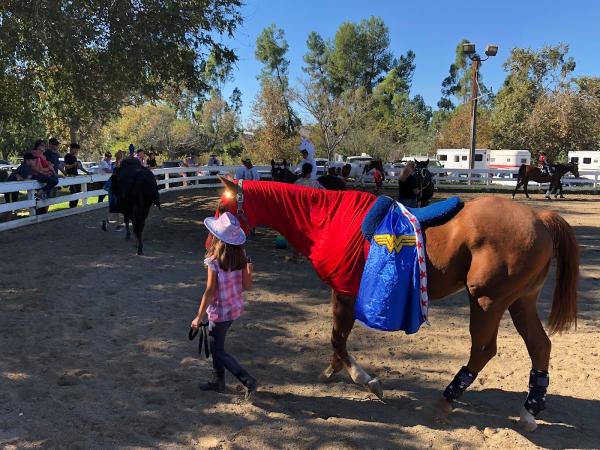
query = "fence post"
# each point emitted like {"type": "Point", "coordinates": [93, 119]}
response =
{"type": "Point", "coordinates": [167, 181]}
{"type": "Point", "coordinates": [31, 196]}
{"type": "Point", "coordinates": [84, 200]}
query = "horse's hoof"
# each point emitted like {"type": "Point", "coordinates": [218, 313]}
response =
{"type": "Point", "coordinates": [327, 374]}
{"type": "Point", "coordinates": [140, 252]}
{"type": "Point", "coordinates": [527, 421]}
{"type": "Point", "coordinates": [374, 386]}
{"type": "Point", "coordinates": [442, 408]}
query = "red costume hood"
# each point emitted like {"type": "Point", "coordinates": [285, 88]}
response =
{"type": "Point", "coordinates": [325, 226]}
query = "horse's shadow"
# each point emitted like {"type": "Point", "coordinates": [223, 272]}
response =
{"type": "Point", "coordinates": [568, 419]}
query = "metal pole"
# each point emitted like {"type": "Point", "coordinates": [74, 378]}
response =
{"type": "Point", "coordinates": [474, 90]}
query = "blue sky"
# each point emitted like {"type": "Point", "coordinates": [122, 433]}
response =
{"type": "Point", "coordinates": [431, 29]}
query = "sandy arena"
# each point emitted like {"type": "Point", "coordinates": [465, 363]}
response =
{"type": "Point", "coordinates": [95, 351]}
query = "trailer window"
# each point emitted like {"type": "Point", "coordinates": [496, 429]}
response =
{"type": "Point", "coordinates": [477, 157]}
{"type": "Point", "coordinates": [464, 158]}
{"type": "Point", "coordinates": [575, 159]}
{"type": "Point", "coordinates": [523, 160]}
{"type": "Point", "coordinates": [587, 160]}
{"type": "Point", "coordinates": [443, 157]}
{"type": "Point", "coordinates": [493, 159]}
{"type": "Point", "coordinates": [507, 159]}
{"type": "Point", "coordinates": [456, 158]}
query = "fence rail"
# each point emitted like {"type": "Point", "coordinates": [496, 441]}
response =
{"type": "Point", "coordinates": [30, 210]}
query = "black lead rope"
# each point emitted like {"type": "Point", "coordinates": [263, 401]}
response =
{"type": "Point", "coordinates": [202, 339]}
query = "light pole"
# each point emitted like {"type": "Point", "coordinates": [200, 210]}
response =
{"type": "Point", "coordinates": [469, 50]}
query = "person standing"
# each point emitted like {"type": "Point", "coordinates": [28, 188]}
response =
{"type": "Point", "coordinates": [307, 151]}
{"type": "Point", "coordinates": [72, 167]}
{"type": "Point", "coordinates": [305, 178]}
{"type": "Point", "coordinates": [105, 168]}
{"type": "Point", "coordinates": [229, 274]}
{"type": "Point", "coordinates": [247, 171]}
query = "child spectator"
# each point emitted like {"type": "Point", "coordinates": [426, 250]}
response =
{"type": "Point", "coordinates": [229, 273]}
{"type": "Point", "coordinates": [72, 167]}
{"type": "Point", "coordinates": [21, 173]}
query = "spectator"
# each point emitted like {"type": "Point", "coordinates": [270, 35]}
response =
{"type": "Point", "coordinates": [306, 178]}
{"type": "Point", "coordinates": [43, 172]}
{"type": "Point", "coordinates": [113, 211]}
{"type": "Point", "coordinates": [308, 157]}
{"type": "Point", "coordinates": [407, 186]}
{"type": "Point", "coordinates": [141, 155]}
{"type": "Point", "coordinates": [151, 161]}
{"type": "Point", "coordinates": [72, 167]}
{"type": "Point", "coordinates": [53, 157]}
{"type": "Point", "coordinates": [118, 159]}
{"type": "Point", "coordinates": [21, 173]}
{"type": "Point", "coordinates": [105, 167]}
{"type": "Point", "coordinates": [378, 178]}
{"type": "Point", "coordinates": [247, 171]}
{"type": "Point", "coordinates": [213, 161]}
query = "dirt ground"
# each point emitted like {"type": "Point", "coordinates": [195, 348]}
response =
{"type": "Point", "coordinates": [95, 352]}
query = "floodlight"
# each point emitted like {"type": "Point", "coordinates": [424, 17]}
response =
{"type": "Point", "coordinates": [468, 48]}
{"type": "Point", "coordinates": [491, 50]}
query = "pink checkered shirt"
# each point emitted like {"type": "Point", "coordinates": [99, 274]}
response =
{"type": "Point", "coordinates": [228, 303]}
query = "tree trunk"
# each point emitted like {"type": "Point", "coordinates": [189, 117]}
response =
{"type": "Point", "coordinates": [74, 130]}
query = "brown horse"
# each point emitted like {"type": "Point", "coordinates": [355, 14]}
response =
{"type": "Point", "coordinates": [498, 250]}
{"type": "Point", "coordinates": [533, 173]}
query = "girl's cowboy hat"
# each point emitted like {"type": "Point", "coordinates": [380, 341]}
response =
{"type": "Point", "coordinates": [227, 228]}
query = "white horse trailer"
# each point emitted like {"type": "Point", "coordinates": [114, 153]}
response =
{"type": "Point", "coordinates": [586, 159]}
{"type": "Point", "coordinates": [458, 158]}
{"type": "Point", "coordinates": [509, 159]}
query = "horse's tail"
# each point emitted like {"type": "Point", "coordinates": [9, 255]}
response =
{"type": "Point", "coordinates": [566, 251]}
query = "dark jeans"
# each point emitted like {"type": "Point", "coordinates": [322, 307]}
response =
{"type": "Point", "coordinates": [74, 189]}
{"type": "Point", "coordinates": [11, 197]}
{"type": "Point", "coordinates": [217, 331]}
{"type": "Point", "coordinates": [50, 181]}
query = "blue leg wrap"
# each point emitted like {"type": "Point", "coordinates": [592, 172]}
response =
{"type": "Point", "coordinates": [461, 381]}
{"type": "Point", "coordinates": [538, 385]}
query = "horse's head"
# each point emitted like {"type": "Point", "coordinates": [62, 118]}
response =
{"type": "Point", "coordinates": [422, 173]}
{"type": "Point", "coordinates": [279, 171]}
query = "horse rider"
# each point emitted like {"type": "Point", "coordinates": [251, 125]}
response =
{"type": "Point", "coordinates": [307, 150]}
{"type": "Point", "coordinates": [544, 163]}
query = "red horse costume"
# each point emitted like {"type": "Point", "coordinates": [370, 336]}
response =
{"type": "Point", "coordinates": [325, 226]}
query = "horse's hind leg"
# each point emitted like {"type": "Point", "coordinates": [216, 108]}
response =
{"type": "Point", "coordinates": [483, 327]}
{"type": "Point", "coordinates": [519, 184]}
{"type": "Point", "coordinates": [127, 232]}
{"type": "Point", "coordinates": [343, 321]}
{"type": "Point", "coordinates": [524, 316]}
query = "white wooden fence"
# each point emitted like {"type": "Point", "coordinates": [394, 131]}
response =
{"type": "Point", "coordinates": [183, 178]}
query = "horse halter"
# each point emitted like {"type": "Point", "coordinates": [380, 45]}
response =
{"type": "Point", "coordinates": [239, 198]}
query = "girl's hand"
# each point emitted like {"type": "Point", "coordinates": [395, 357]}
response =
{"type": "Point", "coordinates": [196, 322]}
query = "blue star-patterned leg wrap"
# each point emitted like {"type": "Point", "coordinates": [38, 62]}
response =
{"type": "Point", "coordinates": [538, 385]}
{"type": "Point", "coordinates": [461, 381]}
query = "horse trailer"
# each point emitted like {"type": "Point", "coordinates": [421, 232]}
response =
{"type": "Point", "coordinates": [458, 158]}
{"type": "Point", "coordinates": [509, 159]}
{"type": "Point", "coordinates": [586, 159]}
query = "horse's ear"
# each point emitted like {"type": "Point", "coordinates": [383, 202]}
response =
{"type": "Point", "coordinates": [427, 162]}
{"type": "Point", "coordinates": [284, 163]}
{"type": "Point", "coordinates": [228, 183]}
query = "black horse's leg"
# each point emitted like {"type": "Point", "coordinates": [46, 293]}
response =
{"type": "Point", "coordinates": [519, 184]}
{"type": "Point", "coordinates": [127, 232]}
{"type": "Point", "coordinates": [525, 183]}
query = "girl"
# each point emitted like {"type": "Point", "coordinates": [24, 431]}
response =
{"type": "Point", "coordinates": [229, 273]}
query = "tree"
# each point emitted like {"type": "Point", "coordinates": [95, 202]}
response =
{"type": "Point", "coordinates": [271, 48]}
{"type": "Point", "coordinates": [360, 56]}
{"type": "Point", "coordinates": [531, 75]}
{"type": "Point", "coordinates": [87, 59]}
{"type": "Point", "coordinates": [218, 123]}
{"type": "Point", "coordinates": [457, 131]}
{"type": "Point", "coordinates": [335, 115]}
{"type": "Point", "coordinates": [271, 139]}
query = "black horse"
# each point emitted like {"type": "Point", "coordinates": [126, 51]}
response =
{"type": "Point", "coordinates": [424, 182]}
{"type": "Point", "coordinates": [135, 189]}
{"type": "Point", "coordinates": [280, 172]}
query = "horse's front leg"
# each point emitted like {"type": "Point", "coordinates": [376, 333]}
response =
{"type": "Point", "coordinates": [127, 231]}
{"type": "Point", "coordinates": [343, 321]}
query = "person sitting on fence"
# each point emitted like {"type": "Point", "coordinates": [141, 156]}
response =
{"type": "Point", "coordinates": [407, 185]}
{"type": "Point", "coordinates": [21, 173]}
{"type": "Point", "coordinates": [151, 161]}
{"type": "Point", "coordinates": [72, 167]}
{"type": "Point", "coordinates": [247, 171]}
{"type": "Point", "coordinates": [53, 157]}
{"type": "Point", "coordinates": [43, 170]}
